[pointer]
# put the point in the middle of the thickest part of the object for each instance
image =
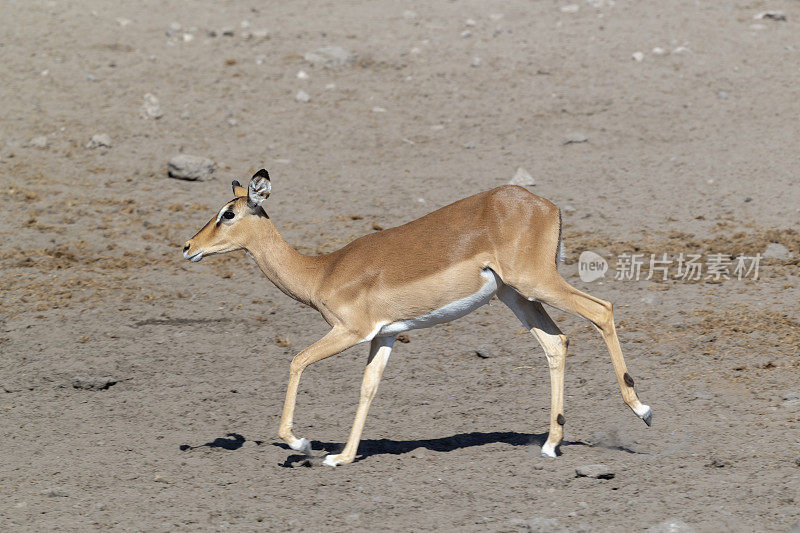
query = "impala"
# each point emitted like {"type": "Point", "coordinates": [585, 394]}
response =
{"type": "Point", "coordinates": [503, 242]}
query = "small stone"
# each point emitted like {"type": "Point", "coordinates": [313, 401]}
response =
{"type": "Point", "coordinates": [797, 460]}
{"type": "Point", "coordinates": [638, 57]}
{"type": "Point", "coordinates": [748, 200]}
{"type": "Point", "coordinates": [91, 77]}
{"type": "Point", "coordinates": [150, 107]}
{"type": "Point", "coordinates": [232, 122]}
{"type": "Point", "coordinates": [302, 75]}
{"type": "Point", "coordinates": [125, 22]}
{"type": "Point", "coordinates": [476, 62]}
{"type": "Point", "coordinates": [227, 31]}
{"type": "Point", "coordinates": [190, 167]}
{"type": "Point", "coordinates": [771, 15]}
{"type": "Point", "coordinates": [470, 23]}
{"type": "Point", "coordinates": [54, 492]}
{"type": "Point", "coordinates": [261, 34]}
{"type": "Point", "coordinates": [38, 142]}
{"type": "Point", "coordinates": [378, 109]}
{"type": "Point", "coordinates": [722, 95]}
{"type": "Point", "coordinates": [187, 37]}
{"type": "Point", "coordinates": [330, 86]}
{"type": "Point", "coordinates": [93, 382]}
{"type": "Point", "coordinates": [100, 506]}
{"type": "Point", "coordinates": [466, 34]}
{"type": "Point", "coordinates": [570, 8]}
{"type": "Point", "coordinates": [776, 251]}
{"type": "Point", "coordinates": [671, 525]}
{"type": "Point", "coordinates": [523, 178]}
{"type": "Point", "coordinates": [260, 59]}
{"type": "Point", "coordinates": [186, 115]}
{"type": "Point", "coordinates": [658, 51]}
{"type": "Point", "coordinates": [680, 50]}
{"type": "Point", "coordinates": [574, 138]}
{"type": "Point", "coordinates": [486, 352]}
{"type": "Point", "coordinates": [352, 518]}
{"type": "Point", "coordinates": [596, 471]}
{"type": "Point", "coordinates": [161, 479]}
{"type": "Point", "coordinates": [469, 145]}
{"type": "Point", "coordinates": [98, 140]}
{"type": "Point", "coordinates": [330, 56]}
{"type": "Point", "coordinates": [249, 444]}
{"type": "Point", "coordinates": [302, 96]}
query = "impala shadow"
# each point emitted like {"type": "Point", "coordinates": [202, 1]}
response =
{"type": "Point", "coordinates": [369, 447]}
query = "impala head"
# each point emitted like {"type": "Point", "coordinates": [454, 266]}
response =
{"type": "Point", "coordinates": [234, 223]}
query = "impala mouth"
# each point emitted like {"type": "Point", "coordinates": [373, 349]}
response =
{"type": "Point", "coordinates": [194, 258]}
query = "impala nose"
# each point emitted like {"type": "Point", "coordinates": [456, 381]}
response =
{"type": "Point", "coordinates": [186, 248]}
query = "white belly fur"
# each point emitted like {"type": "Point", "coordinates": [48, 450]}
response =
{"type": "Point", "coordinates": [449, 312]}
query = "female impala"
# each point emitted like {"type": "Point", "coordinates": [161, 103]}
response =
{"type": "Point", "coordinates": [502, 242]}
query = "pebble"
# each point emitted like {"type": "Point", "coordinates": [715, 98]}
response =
{"type": "Point", "coordinates": [186, 115]}
{"type": "Point", "coordinates": [302, 96]}
{"type": "Point", "coordinates": [330, 56]}
{"type": "Point", "coordinates": [597, 471]}
{"type": "Point", "coordinates": [671, 525]}
{"type": "Point", "coordinates": [260, 59]}
{"type": "Point", "coordinates": [150, 107]}
{"type": "Point", "coordinates": [190, 167]}
{"type": "Point", "coordinates": [470, 23]}
{"type": "Point", "coordinates": [98, 140]}
{"type": "Point", "coordinates": [54, 492]}
{"type": "Point", "coordinates": [574, 138]}
{"type": "Point", "coordinates": [227, 32]}
{"type": "Point", "coordinates": [523, 178]}
{"type": "Point", "coordinates": [771, 15]}
{"type": "Point", "coordinates": [776, 251]}
{"type": "Point", "coordinates": [38, 142]}
{"type": "Point", "coordinates": [658, 51]}
{"type": "Point", "coordinates": [476, 62]}
{"type": "Point", "coordinates": [378, 109]}
{"type": "Point", "coordinates": [93, 382]}
{"type": "Point", "coordinates": [486, 351]}
{"type": "Point", "coordinates": [570, 8]}
{"type": "Point", "coordinates": [466, 34]}
{"type": "Point", "coordinates": [638, 57]}
{"type": "Point", "coordinates": [469, 145]}
{"type": "Point", "coordinates": [302, 75]}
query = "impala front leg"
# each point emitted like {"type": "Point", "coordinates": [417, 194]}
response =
{"type": "Point", "coordinates": [336, 341]}
{"type": "Point", "coordinates": [379, 352]}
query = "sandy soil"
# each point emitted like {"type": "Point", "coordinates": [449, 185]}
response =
{"type": "Point", "coordinates": [689, 151]}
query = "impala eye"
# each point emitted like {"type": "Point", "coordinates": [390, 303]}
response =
{"type": "Point", "coordinates": [228, 215]}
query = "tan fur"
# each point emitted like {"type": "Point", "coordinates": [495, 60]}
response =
{"type": "Point", "coordinates": [410, 270]}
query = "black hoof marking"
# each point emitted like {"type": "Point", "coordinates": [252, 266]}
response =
{"type": "Point", "coordinates": [627, 379]}
{"type": "Point", "coordinates": [561, 420]}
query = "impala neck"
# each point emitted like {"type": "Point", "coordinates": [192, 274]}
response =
{"type": "Point", "coordinates": [292, 272]}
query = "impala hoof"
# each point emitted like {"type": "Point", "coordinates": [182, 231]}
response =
{"type": "Point", "coordinates": [302, 446]}
{"type": "Point", "coordinates": [549, 450]}
{"type": "Point", "coordinates": [331, 460]}
{"type": "Point", "coordinates": [646, 414]}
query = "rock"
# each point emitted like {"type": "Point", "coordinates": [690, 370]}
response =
{"type": "Point", "coordinates": [470, 23]}
{"type": "Point", "coordinates": [486, 351]}
{"type": "Point", "coordinates": [537, 525]}
{"type": "Point", "coordinates": [574, 138]}
{"type": "Point", "coordinates": [570, 8]}
{"type": "Point", "coordinates": [476, 62]}
{"type": "Point", "coordinates": [190, 167]}
{"type": "Point", "coordinates": [771, 15]}
{"type": "Point", "coordinates": [522, 178]}
{"type": "Point", "coordinates": [38, 142]}
{"type": "Point", "coordinates": [93, 382]}
{"type": "Point", "coordinates": [378, 109]}
{"type": "Point", "coordinates": [161, 479]}
{"type": "Point", "coordinates": [671, 525]}
{"type": "Point", "coordinates": [352, 518]}
{"type": "Point", "coordinates": [658, 51]}
{"type": "Point", "coordinates": [469, 145]}
{"type": "Point", "coordinates": [330, 56]}
{"type": "Point", "coordinates": [776, 251]}
{"type": "Point", "coordinates": [302, 75]}
{"type": "Point", "coordinates": [54, 492]}
{"type": "Point", "coordinates": [98, 140]}
{"type": "Point", "coordinates": [597, 471]}
{"type": "Point", "coordinates": [748, 200]}
{"type": "Point", "coordinates": [227, 32]}
{"type": "Point", "coordinates": [150, 107]}
{"type": "Point", "coordinates": [638, 57]}
{"type": "Point", "coordinates": [302, 96]}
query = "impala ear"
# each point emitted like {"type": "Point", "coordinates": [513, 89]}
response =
{"type": "Point", "coordinates": [238, 190]}
{"type": "Point", "coordinates": [259, 188]}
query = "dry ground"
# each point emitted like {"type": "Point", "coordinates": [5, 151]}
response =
{"type": "Point", "coordinates": [693, 151]}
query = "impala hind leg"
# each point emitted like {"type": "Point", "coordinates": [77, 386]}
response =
{"type": "Point", "coordinates": [554, 343]}
{"type": "Point", "coordinates": [379, 351]}
{"type": "Point", "coordinates": [334, 342]}
{"type": "Point", "coordinates": [600, 313]}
